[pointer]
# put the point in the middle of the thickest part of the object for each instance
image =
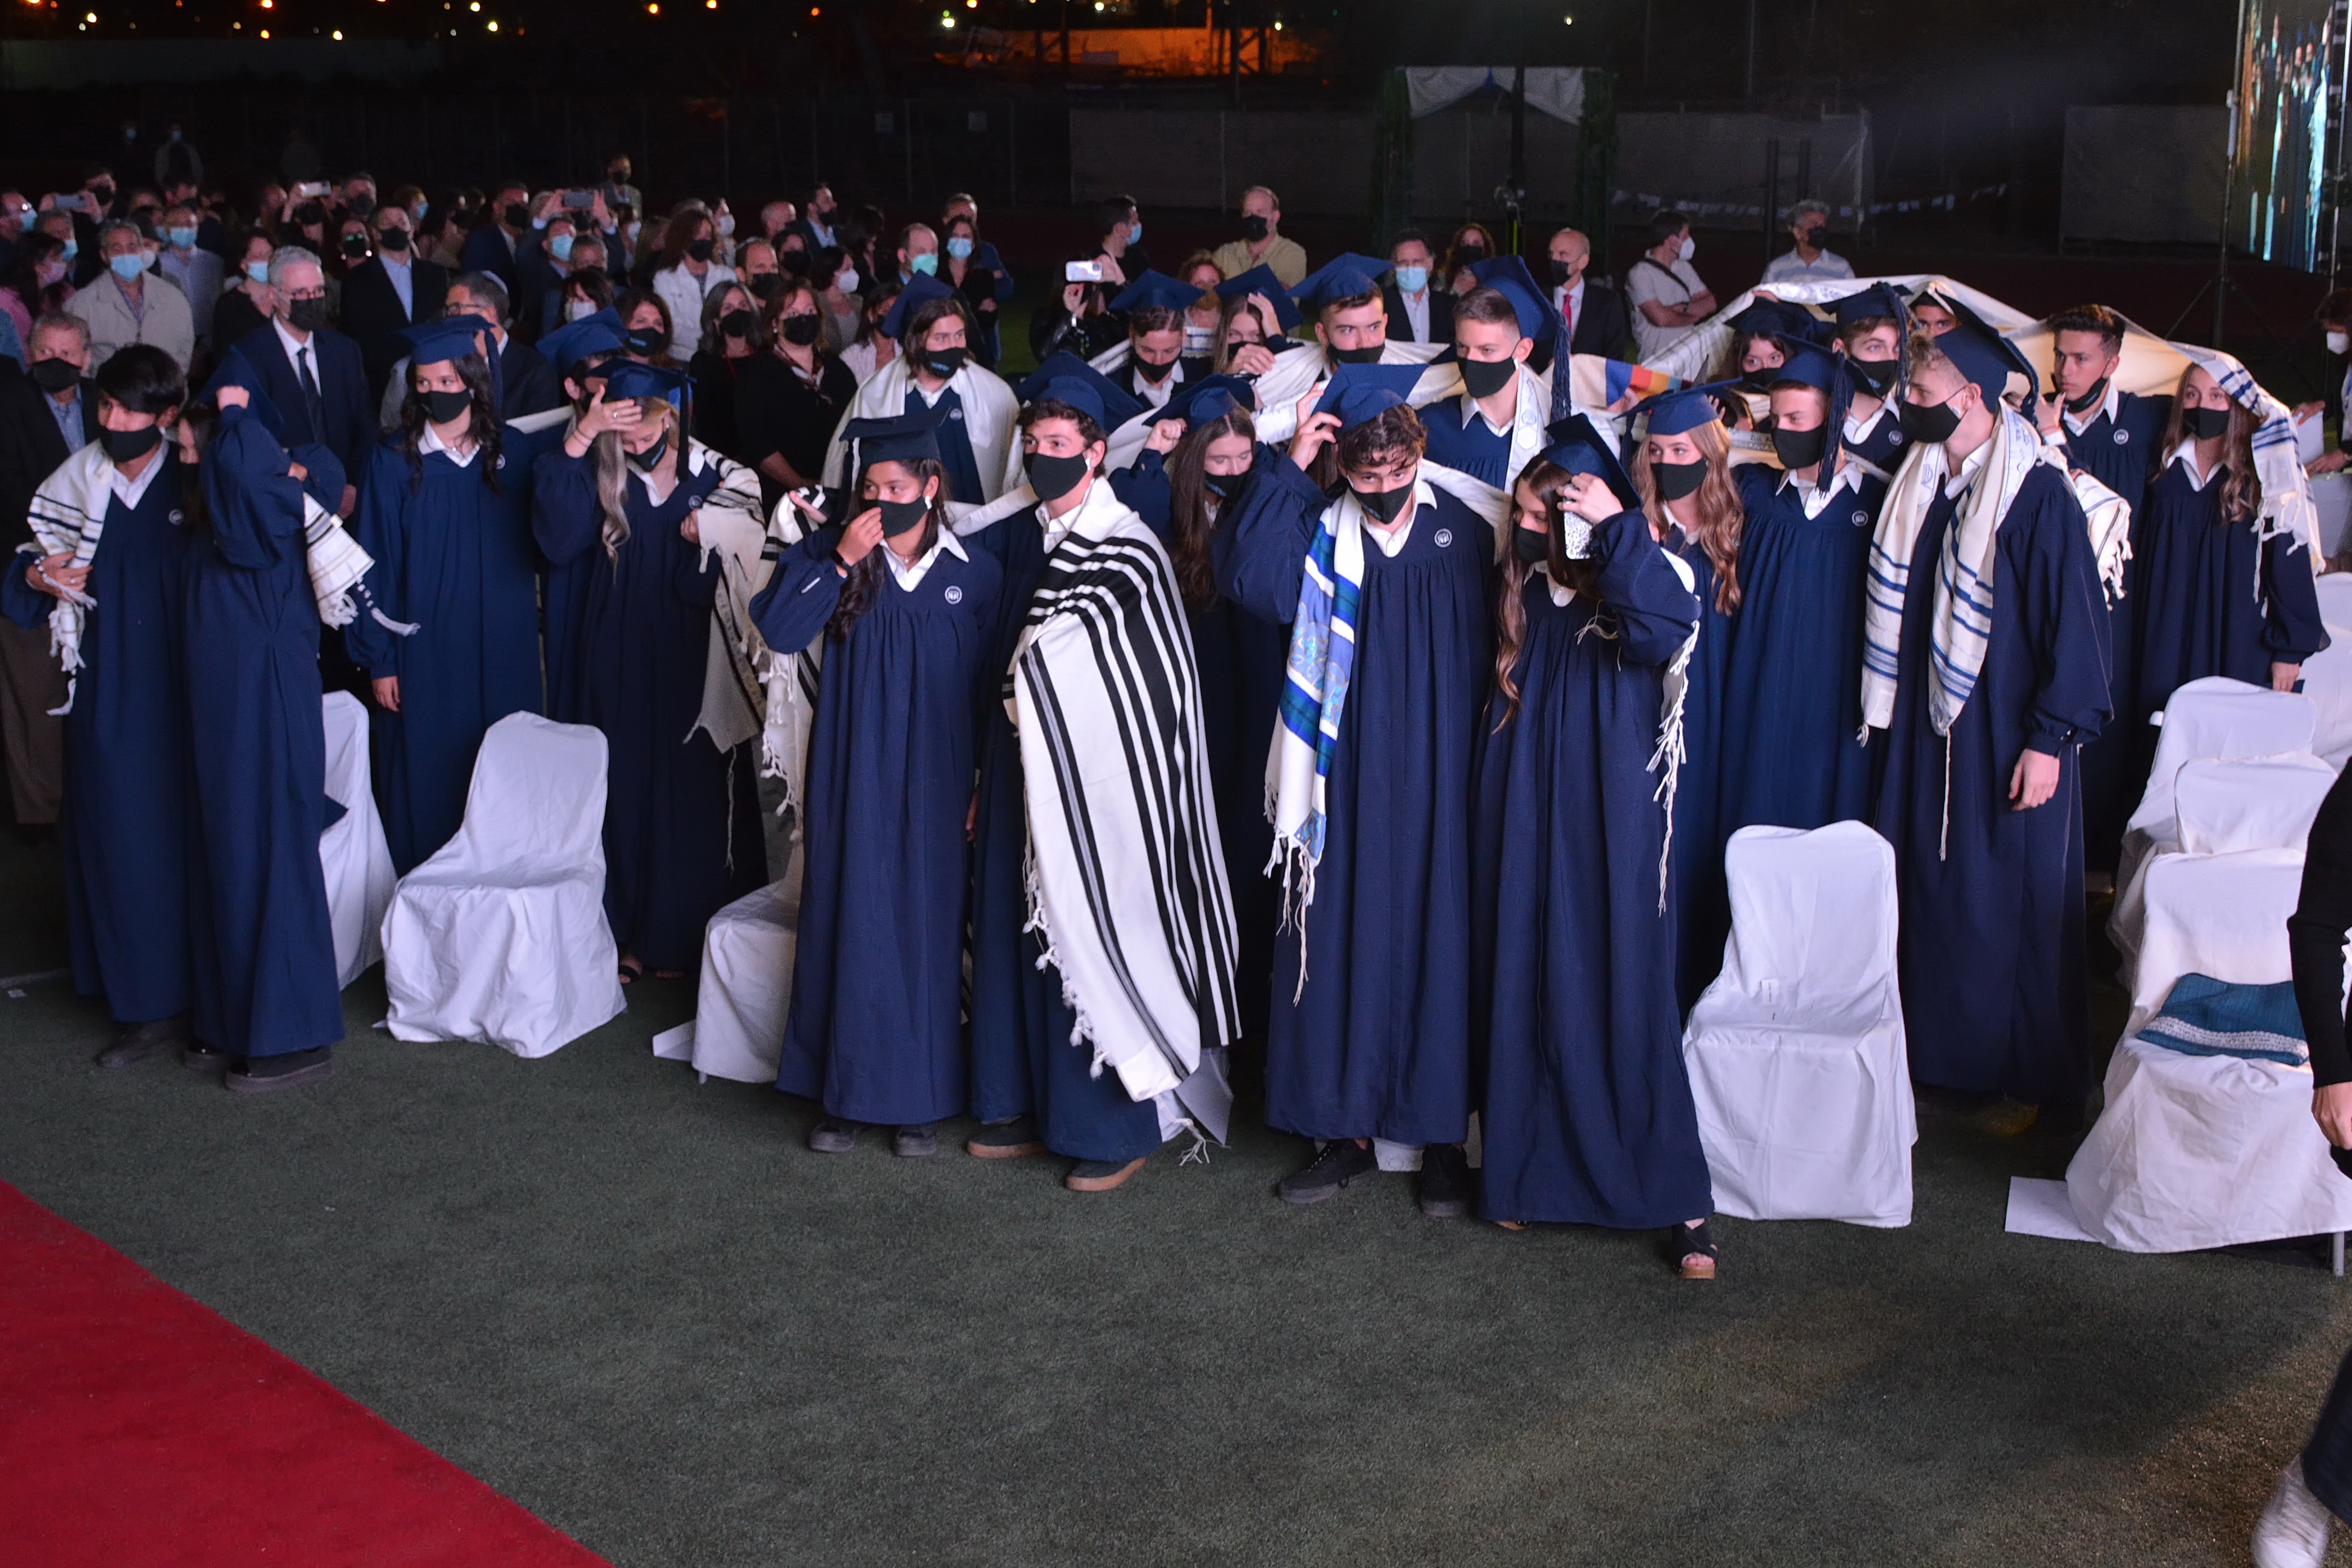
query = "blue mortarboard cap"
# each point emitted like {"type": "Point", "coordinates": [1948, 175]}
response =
{"type": "Point", "coordinates": [1508, 276]}
{"type": "Point", "coordinates": [1575, 444]}
{"type": "Point", "coordinates": [901, 439]}
{"type": "Point", "coordinates": [1260, 279]}
{"type": "Point", "coordinates": [444, 338]}
{"type": "Point", "coordinates": [1344, 277]}
{"type": "Point", "coordinates": [1878, 299]}
{"type": "Point", "coordinates": [1804, 364]}
{"type": "Point", "coordinates": [601, 333]}
{"type": "Point", "coordinates": [1778, 318]}
{"type": "Point", "coordinates": [1213, 397]}
{"type": "Point", "coordinates": [1156, 288]}
{"type": "Point", "coordinates": [630, 378]}
{"type": "Point", "coordinates": [1989, 360]}
{"type": "Point", "coordinates": [1110, 407]}
{"type": "Point", "coordinates": [920, 290]}
{"type": "Point", "coordinates": [1676, 412]}
{"type": "Point", "coordinates": [1361, 391]}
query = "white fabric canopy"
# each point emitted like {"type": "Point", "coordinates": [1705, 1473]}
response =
{"type": "Point", "coordinates": [352, 851]}
{"type": "Point", "coordinates": [501, 935]}
{"type": "Point", "coordinates": [1797, 1054]}
{"type": "Point", "coordinates": [1554, 90]}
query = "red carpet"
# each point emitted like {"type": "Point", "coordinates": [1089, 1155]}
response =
{"type": "Point", "coordinates": [139, 1429]}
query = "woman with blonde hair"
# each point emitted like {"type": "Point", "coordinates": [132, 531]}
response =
{"type": "Point", "coordinates": [617, 509]}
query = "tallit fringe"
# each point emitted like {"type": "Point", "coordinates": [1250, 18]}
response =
{"type": "Point", "coordinates": [398, 629]}
{"type": "Point", "coordinates": [1200, 1148]}
{"type": "Point", "coordinates": [1944, 832]}
{"type": "Point", "coordinates": [1671, 752]}
{"type": "Point", "coordinates": [1297, 868]}
{"type": "Point", "coordinates": [1082, 1029]}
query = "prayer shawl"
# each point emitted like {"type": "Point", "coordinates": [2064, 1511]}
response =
{"type": "Point", "coordinates": [990, 414]}
{"type": "Point", "coordinates": [67, 515]}
{"type": "Point", "coordinates": [1961, 627]}
{"type": "Point", "coordinates": [2287, 507]}
{"type": "Point", "coordinates": [1317, 673]}
{"type": "Point", "coordinates": [2203, 1017]}
{"type": "Point", "coordinates": [731, 528]}
{"type": "Point", "coordinates": [1127, 875]}
{"type": "Point", "coordinates": [1694, 356]}
{"type": "Point", "coordinates": [1299, 371]}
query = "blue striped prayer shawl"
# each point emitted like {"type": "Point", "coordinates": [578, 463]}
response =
{"type": "Point", "coordinates": [1313, 695]}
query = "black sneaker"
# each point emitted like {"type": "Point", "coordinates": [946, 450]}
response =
{"type": "Point", "coordinates": [267, 1075]}
{"type": "Point", "coordinates": [915, 1143]}
{"type": "Point", "coordinates": [1005, 1141]}
{"type": "Point", "coordinates": [1342, 1162]}
{"type": "Point", "coordinates": [1444, 1182]}
{"type": "Point", "coordinates": [140, 1041]}
{"type": "Point", "coordinates": [832, 1135]}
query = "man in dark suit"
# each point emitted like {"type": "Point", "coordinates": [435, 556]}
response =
{"type": "Point", "coordinates": [313, 374]}
{"type": "Point", "coordinates": [1420, 310]}
{"type": "Point", "coordinates": [46, 415]}
{"type": "Point", "coordinates": [393, 288]}
{"type": "Point", "coordinates": [1594, 312]}
{"type": "Point", "coordinates": [526, 383]}
{"type": "Point", "coordinates": [493, 248]}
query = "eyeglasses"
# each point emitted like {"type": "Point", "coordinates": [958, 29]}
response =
{"type": "Point", "coordinates": [318, 293]}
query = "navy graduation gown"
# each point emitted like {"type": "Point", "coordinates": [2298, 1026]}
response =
{"type": "Point", "coordinates": [1023, 1060]}
{"type": "Point", "coordinates": [682, 835]}
{"type": "Point", "coordinates": [1992, 944]}
{"type": "Point", "coordinates": [454, 557]}
{"type": "Point", "coordinates": [266, 981]}
{"type": "Point", "coordinates": [1473, 447]}
{"type": "Point", "coordinates": [1882, 445]}
{"type": "Point", "coordinates": [955, 443]}
{"type": "Point", "coordinates": [1378, 1043]}
{"type": "Point", "coordinates": [2212, 600]}
{"type": "Point", "coordinates": [1143, 488]}
{"type": "Point", "coordinates": [876, 1029]}
{"type": "Point", "coordinates": [1791, 712]}
{"type": "Point", "coordinates": [1698, 898]}
{"type": "Point", "coordinates": [122, 823]}
{"type": "Point", "coordinates": [1587, 1114]}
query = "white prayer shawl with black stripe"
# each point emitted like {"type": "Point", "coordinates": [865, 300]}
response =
{"type": "Point", "coordinates": [990, 413]}
{"type": "Point", "coordinates": [1127, 875]}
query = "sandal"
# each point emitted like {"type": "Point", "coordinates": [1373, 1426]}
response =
{"type": "Point", "coordinates": [631, 972]}
{"type": "Point", "coordinates": [1693, 1251]}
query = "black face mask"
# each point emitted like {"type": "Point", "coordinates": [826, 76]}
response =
{"type": "Point", "coordinates": [355, 245]}
{"type": "Point", "coordinates": [1928, 424]}
{"type": "Point", "coordinates": [1384, 507]}
{"type": "Point", "coordinates": [764, 285]}
{"type": "Point", "coordinates": [102, 194]}
{"type": "Point", "coordinates": [699, 250]}
{"type": "Point", "coordinates": [516, 216]}
{"type": "Point", "coordinates": [307, 315]}
{"type": "Point", "coordinates": [1253, 228]}
{"type": "Point", "coordinates": [1357, 356]}
{"type": "Point", "coordinates": [1532, 545]}
{"type": "Point", "coordinates": [899, 516]}
{"type": "Point", "coordinates": [2088, 400]}
{"type": "Point", "coordinates": [802, 329]}
{"type": "Point", "coordinates": [1800, 449]}
{"type": "Point", "coordinates": [309, 213]}
{"type": "Point", "coordinates": [1225, 486]}
{"type": "Point", "coordinates": [395, 240]}
{"type": "Point", "coordinates": [643, 461]}
{"type": "Point", "coordinates": [1676, 480]}
{"type": "Point", "coordinates": [1874, 378]}
{"type": "Point", "coordinates": [54, 374]}
{"type": "Point", "coordinates": [441, 407]}
{"type": "Point", "coordinates": [943, 363]}
{"type": "Point", "coordinates": [1486, 377]}
{"type": "Point", "coordinates": [2205, 423]}
{"type": "Point", "coordinates": [1561, 274]}
{"type": "Point", "coordinates": [738, 323]}
{"type": "Point", "coordinates": [129, 446]}
{"type": "Point", "coordinates": [1154, 373]}
{"type": "Point", "coordinates": [1469, 255]}
{"type": "Point", "coordinates": [1054, 477]}
{"type": "Point", "coordinates": [647, 341]}
{"type": "Point", "coordinates": [1811, 235]}
{"type": "Point", "coordinates": [361, 206]}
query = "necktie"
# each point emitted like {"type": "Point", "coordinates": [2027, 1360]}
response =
{"type": "Point", "coordinates": [1567, 314]}
{"type": "Point", "coordinates": [311, 403]}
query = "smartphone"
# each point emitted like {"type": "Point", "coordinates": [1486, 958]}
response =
{"type": "Point", "coordinates": [1082, 272]}
{"type": "Point", "coordinates": [578, 201]}
{"type": "Point", "coordinates": [310, 189]}
{"type": "Point", "coordinates": [72, 204]}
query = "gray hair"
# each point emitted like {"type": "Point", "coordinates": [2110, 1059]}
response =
{"type": "Point", "coordinates": [119, 225]}
{"type": "Point", "coordinates": [482, 286]}
{"type": "Point", "coordinates": [287, 256]}
{"type": "Point", "coordinates": [58, 322]}
{"type": "Point", "coordinates": [1808, 209]}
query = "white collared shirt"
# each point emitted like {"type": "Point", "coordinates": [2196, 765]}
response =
{"type": "Point", "coordinates": [429, 440]}
{"type": "Point", "coordinates": [1567, 299]}
{"type": "Point", "coordinates": [911, 576]}
{"type": "Point", "coordinates": [1416, 310]}
{"type": "Point", "coordinates": [2109, 406]}
{"type": "Point", "coordinates": [296, 348]}
{"type": "Point", "coordinates": [1971, 466]}
{"type": "Point", "coordinates": [131, 491]}
{"type": "Point", "coordinates": [1816, 496]}
{"type": "Point", "coordinates": [1156, 393]}
{"type": "Point", "coordinates": [402, 273]}
{"type": "Point", "coordinates": [657, 479]}
{"type": "Point", "coordinates": [2185, 456]}
{"type": "Point", "coordinates": [1858, 431]}
{"type": "Point", "coordinates": [1392, 540]}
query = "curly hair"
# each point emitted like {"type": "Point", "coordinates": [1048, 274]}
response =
{"type": "Point", "coordinates": [1720, 510]}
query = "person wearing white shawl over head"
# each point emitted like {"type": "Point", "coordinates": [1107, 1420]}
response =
{"type": "Point", "coordinates": [1387, 579]}
{"type": "Point", "coordinates": [1102, 932]}
{"type": "Point", "coordinates": [1984, 668]}
{"type": "Point", "coordinates": [106, 575]}
{"type": "Point", "coordinates": [978, 447]}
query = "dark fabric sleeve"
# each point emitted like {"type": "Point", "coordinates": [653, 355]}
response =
{"type": "Point", "coordinates": [565, 518]}
{"type": "Point", "coordinates": [381, 527]}
{"type": "Point", "coordinates": [2069, 628]}
{"type": "Point", "coordinates": [798, 601]}
{"type": "Point", "coordinates": [1276, 523]}
{"type": "Point", "coordinates": [19, 600]}
{"type": "Point", "coordinates": [2315, 932]}
{"type": "Point", "coordinates": [254, 501]}
{"type": "Point", "coordinates": [1656, 615]}
{"type": "Point", "coordinates": [2291, 628]}
{"type": "Point", "coordinates": [1143, 490]}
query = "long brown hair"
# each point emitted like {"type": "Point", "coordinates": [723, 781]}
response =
{"type": "Point", "coordinates": [1189, 525]}
{"type": "Point", "coordinates": [865, 579]}
{"type": "Point", "coordinates": [613, 471]}
{"type": "Point", "coordinates": [482, 429]}
{"type": "Point", "coordinates": [1221, 361]}
{"type": "Point", "coordinates": [1545, 480]}
{"type": "Point", "coordinates": [2241, 492]}
{"type": "Point", "coordinates": [1721, 513]}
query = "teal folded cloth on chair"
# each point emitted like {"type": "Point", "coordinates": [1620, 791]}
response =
{"type": "Point", "coordinates": [2207, 1017]}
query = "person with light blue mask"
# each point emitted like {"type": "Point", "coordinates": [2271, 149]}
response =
{"type": "Point", "coordinates": [1417, 313]}
{"type": "Point", "coordinates": [130, 305]}
{"type": "Point", "coordinates": [246, 303]}
{"type": "Point", "coordinates": [978, 273]}
{"type": "Point", "coordinates": [918, 252]}
{"type": "Point", "coordinates": [196, 270]}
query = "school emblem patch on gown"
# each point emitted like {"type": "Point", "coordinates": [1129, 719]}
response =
{"type": "Point", "coordinates": [1444, 537]}
{"type": "Point", "coordinates": [954, 594]}
{"type": "Point", "coordinates": [2122, 438]}
{"type": "Point", "coordinates": [1860, 518]}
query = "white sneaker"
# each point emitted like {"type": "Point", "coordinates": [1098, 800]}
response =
{"type": "Point", "coordinates": [2293, 1530]}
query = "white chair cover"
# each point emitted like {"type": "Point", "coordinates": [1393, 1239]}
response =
{"type": "Point", "coordinates": [1796, 1052]}
{"type": "Point", "coordinates": [2335, 588]}
{"type": "Point", "coordinates": [2223, 915]}
{"type": "Point", "coordinates": [747, 982]}
{"type": "Point", "coordinates": [352, 851]}
{"type": "Point", "coordinates": [2328, 681]}
{"type": "Point", "coordinates": [501, 935]}
{"type": "Point", "coordinates": [2224, 804]}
